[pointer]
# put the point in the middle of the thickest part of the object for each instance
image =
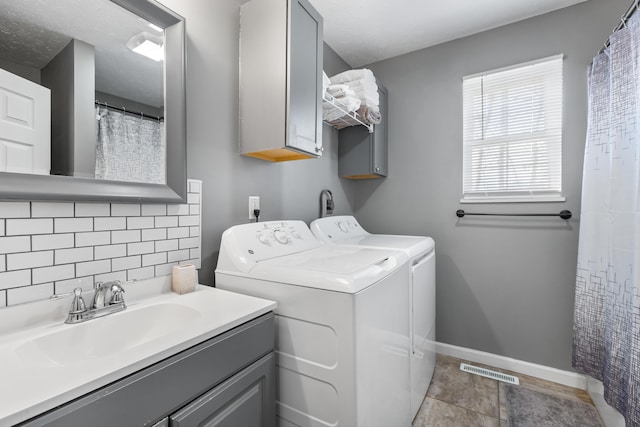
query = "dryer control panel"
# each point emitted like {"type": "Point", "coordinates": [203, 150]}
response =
{"type": "Point", "coordinates": [335, 228]}
{"type": "Point", "coordinates": [244, 245]}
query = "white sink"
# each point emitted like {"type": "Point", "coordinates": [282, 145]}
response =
{"type": "Point", "coordinates": [105, 336]}
{"type": "Point", "coordinates": [45, 362]}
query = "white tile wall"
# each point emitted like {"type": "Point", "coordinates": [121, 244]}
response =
{"type": "Point", "coordinates": [54, 247]}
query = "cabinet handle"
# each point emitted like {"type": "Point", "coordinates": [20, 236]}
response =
{"type": "Point", "coordinates": [319, 149]}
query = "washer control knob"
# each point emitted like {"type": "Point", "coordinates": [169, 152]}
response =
{"type": "Point", "coordinates": [296, 235]}
{"type": "Point", "coordinates": [281, 236]}
{"type": "Point", "coordinates": [343, 227]}
{"type": "Point", "coordinates": [263, 239]}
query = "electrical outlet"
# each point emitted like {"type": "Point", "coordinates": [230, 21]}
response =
{"type": "Point", "coordinates": [254, 203]}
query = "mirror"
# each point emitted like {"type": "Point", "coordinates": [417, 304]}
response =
{"type": "Point", "coordinates": [148, 90]}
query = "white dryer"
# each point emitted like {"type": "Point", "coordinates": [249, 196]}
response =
{"type": "Point", "coordinates": [346, 231]}
{"type": "Point", "coordinates": [342, 329]}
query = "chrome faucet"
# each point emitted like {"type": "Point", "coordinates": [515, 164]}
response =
{"type": "Point", "coordinates": [100, 296]}
{"type": "Point", "coordinates": [100, 305]}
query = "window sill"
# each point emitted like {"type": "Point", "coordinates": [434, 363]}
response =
{"type": "Point", "coordinates": [510, 199]}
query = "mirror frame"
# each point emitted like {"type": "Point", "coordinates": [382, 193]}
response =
{"type": "Point", "coordinates": [68, 188]}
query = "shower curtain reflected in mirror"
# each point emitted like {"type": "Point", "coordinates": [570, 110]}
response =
{"type": "Point", "coordinates": [129, 147]}
{"type": "Point", "coordinates": [607, 303]}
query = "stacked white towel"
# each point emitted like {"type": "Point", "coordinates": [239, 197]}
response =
{"type": "Point", "coordinates": [363, 83]}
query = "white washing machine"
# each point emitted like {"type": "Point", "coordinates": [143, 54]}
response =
{"type": "Point", "coordinates": [346, 231]}
{"type": "Point", "coordinates": [342, 328]}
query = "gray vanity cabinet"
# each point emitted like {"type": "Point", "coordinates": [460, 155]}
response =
{"type": "Point", "coordinates": [228, 380]}
{"type": "Point", "coordinates": [361, 154]}
{"type": "Point", "coordinates": [280, 109]}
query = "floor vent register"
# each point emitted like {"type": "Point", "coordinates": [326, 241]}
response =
{"type": "Point", "coordinates": [489, 374]}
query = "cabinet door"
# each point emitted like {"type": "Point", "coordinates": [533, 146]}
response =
{"type": "Point", "coordinates": [361, 154]}
{"type": "Point", "coordinates": [380, 137]}
{"type": "Point", "coordinates": [246, 399]}
{"type": "Point", "coordinates": [304, 110]}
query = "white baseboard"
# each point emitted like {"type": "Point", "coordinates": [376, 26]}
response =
{"type": "Point", "coordinates": [568, 378]}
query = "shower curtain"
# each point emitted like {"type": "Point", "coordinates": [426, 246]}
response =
{"type": "Point", "coordinates": [129, 148]}
{"type": "Point", "coordinates": [607, 304]}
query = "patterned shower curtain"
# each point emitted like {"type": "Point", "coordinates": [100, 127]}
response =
{"type": "Point", "coordinates": [129, 148]}
{"type": "Point", "coordinates": [607, 304]}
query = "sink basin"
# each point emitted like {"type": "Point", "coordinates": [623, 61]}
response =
{"type": "Point", "coordinates": [107, 335]}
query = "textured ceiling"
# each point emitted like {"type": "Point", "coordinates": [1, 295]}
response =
{"type": "Point", "coordinates": [367, 31]}
{"type": "Point", "coordinates": [32, 32]}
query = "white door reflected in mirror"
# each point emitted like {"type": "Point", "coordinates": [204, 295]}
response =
{"type": "Point", "coordinates": [25, 125]}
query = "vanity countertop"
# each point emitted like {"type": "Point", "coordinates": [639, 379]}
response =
{"type": "Point", "coordinates": [34, 381]}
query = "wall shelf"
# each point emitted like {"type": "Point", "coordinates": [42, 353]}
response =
{"type": "Point", "coordinates": [347, 119]}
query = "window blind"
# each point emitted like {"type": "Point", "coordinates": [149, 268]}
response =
{"type": "Point", "coordinates": [512, 119]}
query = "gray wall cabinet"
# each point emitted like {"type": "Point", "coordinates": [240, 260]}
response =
{"type": "Point", "coordinates": [281, 47]}
{"type": "Point", "coordinates": [227, 380]}
{"type": "Point", "coordinates": [361, 154]}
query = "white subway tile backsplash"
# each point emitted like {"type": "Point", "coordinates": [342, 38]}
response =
{"type": "Point", "coordinates": [177, 232]}
{"type": "Point", "coordinates": [93, 209]}
{"type": "Point", "coordinates": [165, 269]}
{"type": "Point", "coordinates": [48, 247]}
{"type": "Point", "coordinates": [140, 222]}
{"type": "Point", "coordinates": [122, 209]}
{"type": "Point", "coordinates": [190, 242]}
{"type": "Point", "coordinates": [93, 238]}
{"type": "Point", "coordinates": [13, 279]}
{"type": "Point", "coordinates": [52, 241]}
{"type": "Point", "coordinates": [110, 251]}
{"type": "Point", "coordinates": [141, 273]}
{"type": "Point", "coordinates": [107, 277]}
{"type": "Point", "coordinates": [154, 234]}
{"type": "Point", "coordinates": [15, 227]}
{"type": "Point", "coordinates": [125, 236]}
{"type": "Point", "coordinates": [154, 259]}
{"type": "Point", "coordinates": [166, 245]}
{"type": "Point", "coordinates": [68, 256]}
{"type": "Point", "coordinates": [166, 221]}
{"type": "Point", "coordinates": [154, 210]}
{"type": "Point", "coordinates": [15, 210]}
{"type": "Point", "coordinates": [126, 263]}
{"type": "Point", "coordinates": [29, 293]}
{"type": "Point", "coordinates": [180, 255]}
{"type": "Point", "coordinates": [189, 220]}
{"type": "Point", "coordinates": [140, 248]}
{"type": "Point", "coordinates": [113, 223]}
{"type": "Point", "coordinates": [193, 198]}
{"type": "Point", "coordinates": [51, 209]}
{"type": "Point", "coordinates": [177, 209]}
{"type": "Point", "coordinates": [52, 274]}
{"type": "Point", "coordinates": [93, 267]}
{"type": "Point", "coordinates": [66, 286]}
{"type": "Point", "coordinates": [29, 260]}
{"type": "Point", "coordinates": [15, 244]}
{"type": "Point", "coordinates": [70, 225]}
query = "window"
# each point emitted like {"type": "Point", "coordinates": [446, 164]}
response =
{"type": "Point", "coordinates": [512, 133]}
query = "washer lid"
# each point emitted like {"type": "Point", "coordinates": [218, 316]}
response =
{"type": "Point", "coordinates": [345, 230]}
{"type": "Point", "coordinates": [334, 268]}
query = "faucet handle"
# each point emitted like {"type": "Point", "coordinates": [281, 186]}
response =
{"type": "Point", "coordinates": [116, 294]}
{"type": "Point", "coordinates": [77, 305]}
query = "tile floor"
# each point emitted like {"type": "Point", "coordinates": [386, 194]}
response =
{"type": "Point", "coordinates": [460, 399]}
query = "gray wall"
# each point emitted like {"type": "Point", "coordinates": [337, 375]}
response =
{"type": "Point", "coordinates": [289, 190]}
{"type": "Point", "coordinates": [505, 286]}
{"type": "Point", "coordinates": [71, 78]}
